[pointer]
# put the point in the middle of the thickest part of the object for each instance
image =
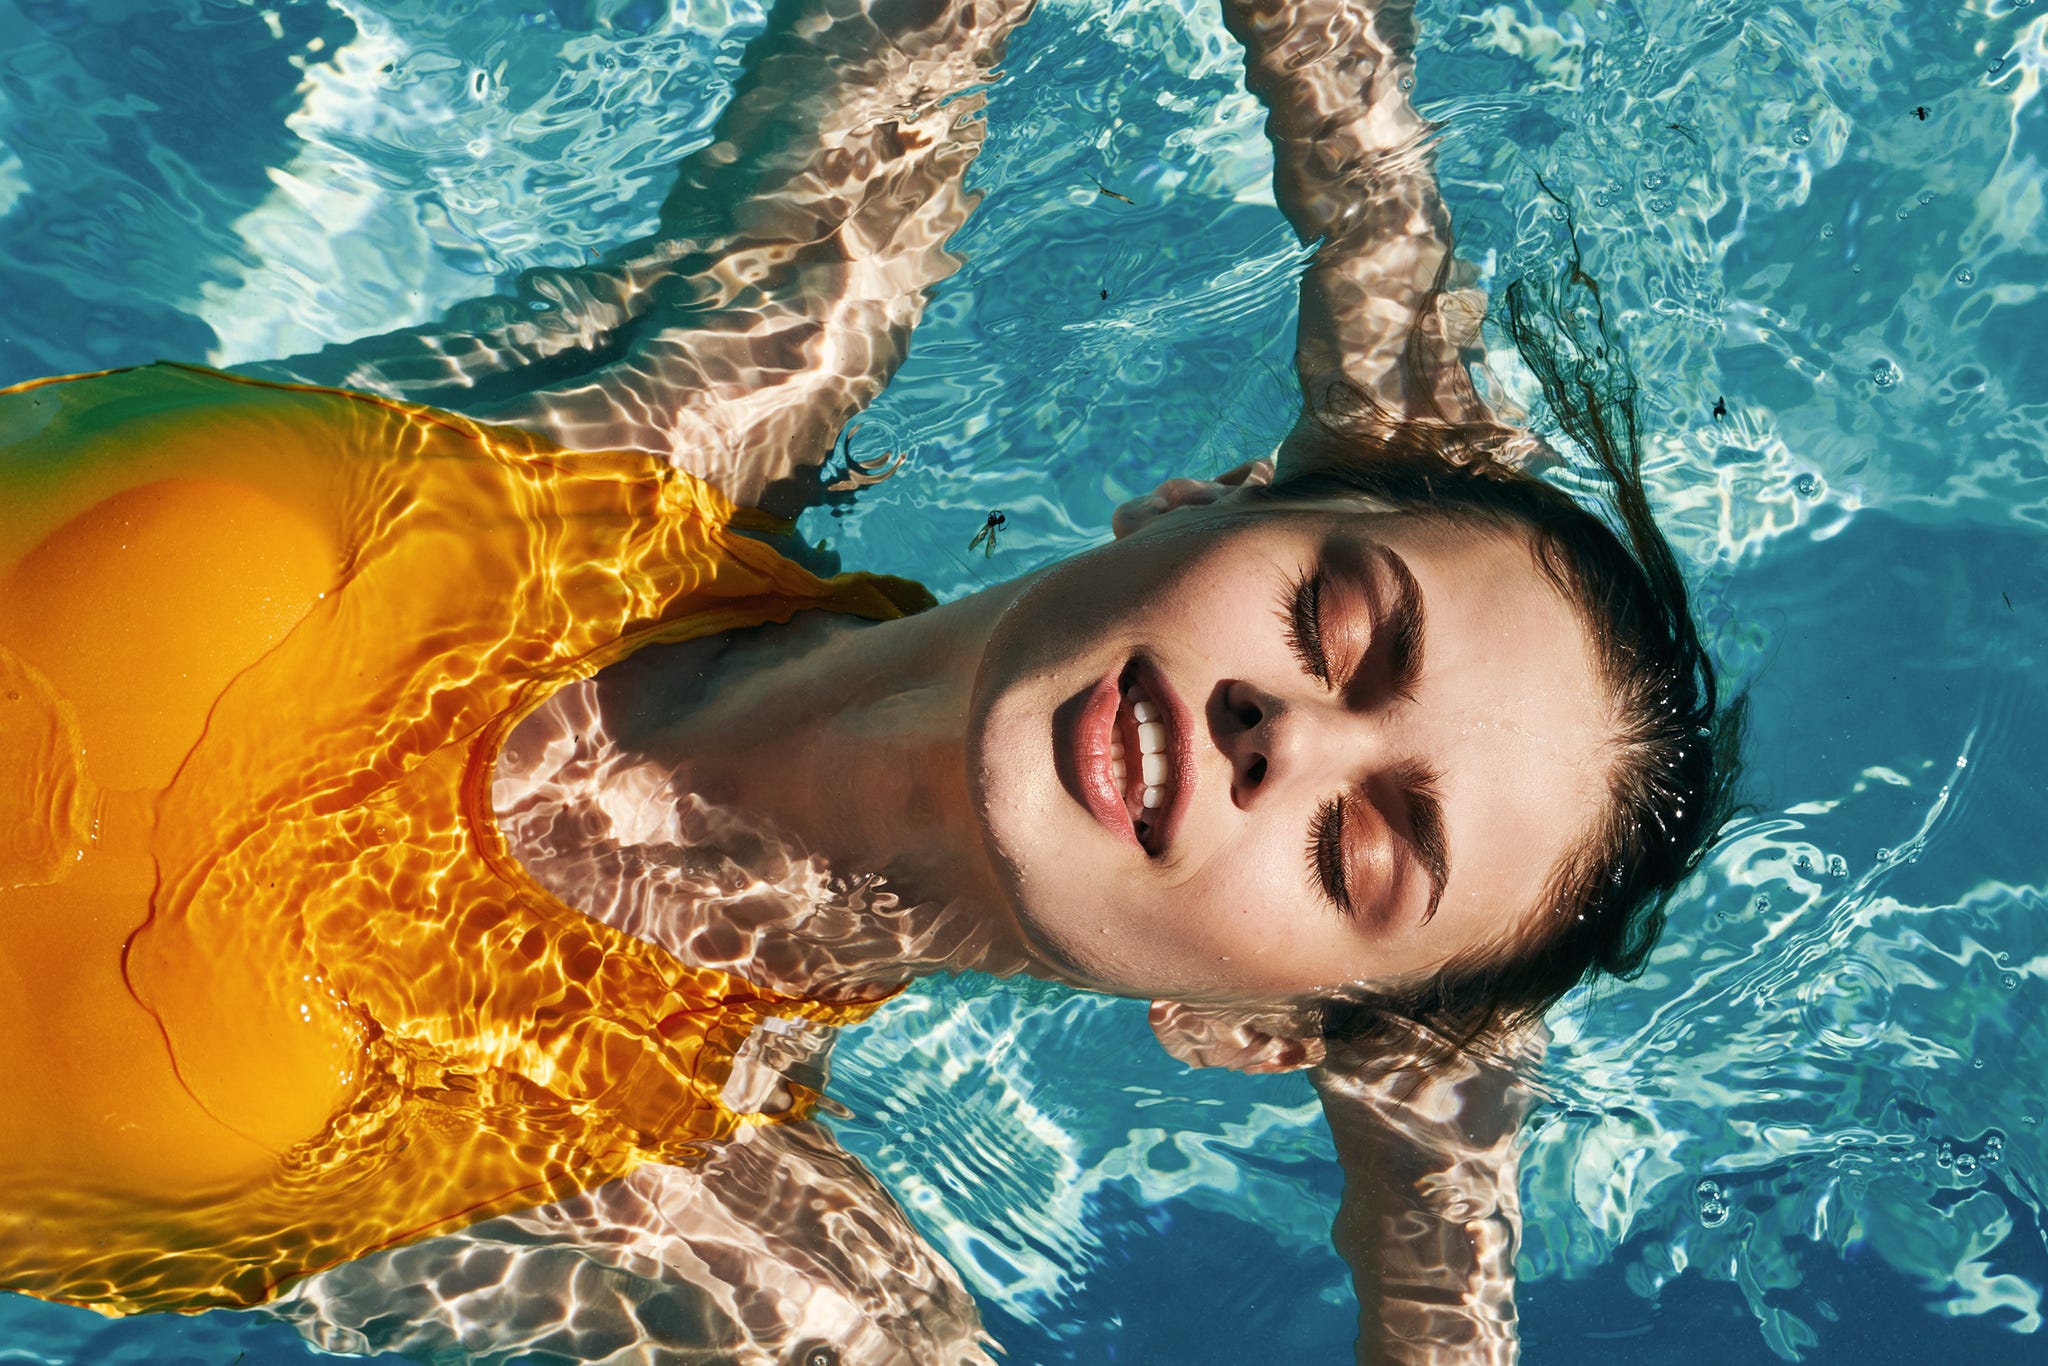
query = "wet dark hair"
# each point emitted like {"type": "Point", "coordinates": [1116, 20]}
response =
{"type": "Point", "coordinates": [1674, 748]}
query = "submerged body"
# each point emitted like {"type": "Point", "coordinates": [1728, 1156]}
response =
{"type": "Point", "coordinates": [277, 994]}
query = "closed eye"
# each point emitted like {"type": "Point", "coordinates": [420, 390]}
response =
{"type": "Point", "coordinates": [1326, 854]}
{"type": "Point", "coordinates": [1302, 612]}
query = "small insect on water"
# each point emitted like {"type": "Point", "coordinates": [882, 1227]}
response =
{"type": "Point", "coordinates": [986, 537]}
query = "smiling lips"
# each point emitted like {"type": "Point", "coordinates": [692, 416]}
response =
{"type": "Point", "coordinates": [1136, 756]}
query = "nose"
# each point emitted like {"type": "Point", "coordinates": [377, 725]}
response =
{"type": "Point", "coordinates": [1272, 742]}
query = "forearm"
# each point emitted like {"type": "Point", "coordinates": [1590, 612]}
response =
{"type": "Point", "coordinates": [1354, 172]}
{"type": "Point", "coordinates": [1430, 1220]}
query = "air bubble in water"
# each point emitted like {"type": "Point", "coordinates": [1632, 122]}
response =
{"type": "Point", "coordinates": [1837, 866]}
{"type": "Point", "coordinates": [1804, 863]}
{"type": "Point", "coordinates": [1904, 213]}
{"type": "Point", "coordinates": [1964, 275]}
{"type": "Point", "coordinates": [1997, 65]}
{"type": "Point", "coordinates": [1761, 904]}
{"type": "Point", "coordinates": [1884, 374]}
{"type": "Point", "coordinates": [1827, 230]}
{"type": "Point", "coordinates": [1966, 1164]}
{"type": "Point", "coordinates": [1807, 485]}
{"type": "Point", "coordinates": [1926, 197]}
{"type": "Point", "coordinates": [1801, 135]}
{"type": "Point", "coordinates": [1884, 855]}
{"type": "Point", "coordinates": [1946, 1157]}
{"type": "Point", "coordinates": [1713, 1203]}
{"type": "Point", "coordinates": [1994, 1149]}
{"type": "Point", "coordinates": [2011, 981]}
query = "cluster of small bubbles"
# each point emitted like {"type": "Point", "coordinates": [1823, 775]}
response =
{"type": "Point", "coordinates": [1837, 866]}
{"type": "Point", "coordinates": [1994, 1148]}
{"type": "Point", "coordinates": [1659, 204]}
{"type": "Point", "coordinates": [1964, 275]}
{"type": "Point", "coordinates": [1807, 485]}
{"type": "Point", "coordinates": [1945, 1157]}
{"type": "Point", "coordinates": [1801, 135]}
{"type": "Point", "coordinates": [1713, 1203]}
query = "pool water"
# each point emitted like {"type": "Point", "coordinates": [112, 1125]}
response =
{"type": "Point", "coordinates": [1814, 1129]}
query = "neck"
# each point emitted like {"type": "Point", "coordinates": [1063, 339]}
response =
{"type": "Point", "coordinates": [849, 739]}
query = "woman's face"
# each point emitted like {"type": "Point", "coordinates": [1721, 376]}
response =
{"type": "Point", "coordinates": [1376, 736]}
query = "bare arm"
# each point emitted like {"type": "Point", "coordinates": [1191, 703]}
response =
{"type": "Point", "coordinates": [1354, 171]}
{"type": "Point", "coordinates": [777, 1245]}
{"type": "Point", "coordinates": [778, 293]}
{"type": "Point", "coordinates": [1431, 1217]}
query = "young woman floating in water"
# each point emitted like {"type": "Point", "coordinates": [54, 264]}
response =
{"type": "Point", "coordinates": [439, 831]}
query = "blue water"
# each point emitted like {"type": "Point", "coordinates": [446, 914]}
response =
{"type": "Point", "coordinates": [1846, 1030]}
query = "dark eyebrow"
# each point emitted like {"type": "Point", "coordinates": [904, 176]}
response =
{"type": "Point", "coordinates": [1426, 829]}
{"type": "Point", "coordinates": [1418, 783]}
{"type": "Point", "coordinates": [1405, 621]}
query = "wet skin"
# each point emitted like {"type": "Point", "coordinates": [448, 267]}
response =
{"type": "Point", "coordinates": [1371, 702]}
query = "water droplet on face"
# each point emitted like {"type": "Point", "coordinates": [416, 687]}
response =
{"type": "Point", "coordinates": [1964, 275]}
{"type": "Point", "coordinates": [1884, 374]}
{"type": "Point", "coordinates": [1807, 486]}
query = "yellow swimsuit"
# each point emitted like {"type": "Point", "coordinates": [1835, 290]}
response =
{"type": "Point", "coordinates": [273, 993]}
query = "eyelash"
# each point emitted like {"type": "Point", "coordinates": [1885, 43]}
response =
{"type": "Point", "coordinates": [1326, 854]}
{"type": "Point", "coordinates": [1301, 610]}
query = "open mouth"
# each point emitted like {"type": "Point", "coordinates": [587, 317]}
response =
{"type": "Point", "coordinates": [1150, 759]}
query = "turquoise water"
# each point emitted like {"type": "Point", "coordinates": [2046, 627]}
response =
{"type": "Point", "coordinates": [1814, 1130]}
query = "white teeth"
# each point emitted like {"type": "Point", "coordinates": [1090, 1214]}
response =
{"type": "Point", "coordinates": [1151, 737]}
{"type": "Point", "coordinates": [1144, 711]}
{"type": "Point", "coordinates": [1153, 797]}
{"type": "Point", "coordinates": [1118, 772]}
{"type": "Point", "coordinates": [1116, 744]}
{"type": "Point", "coordinates": [1154, 766]}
